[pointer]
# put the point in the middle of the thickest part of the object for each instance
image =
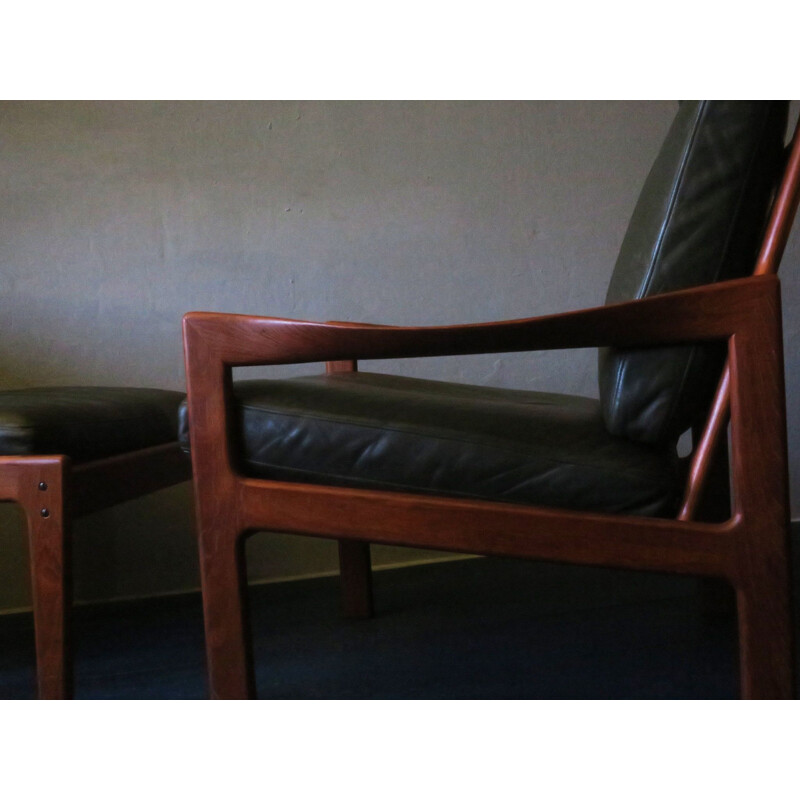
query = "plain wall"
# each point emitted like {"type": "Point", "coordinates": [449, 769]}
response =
{"type": "Point", "coordinates": [118, 217]}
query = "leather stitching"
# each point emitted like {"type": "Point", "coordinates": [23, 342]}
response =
{"type": "Point", "coordinates": [622, 367]}
{"type": "Point", "coordinates": [674, 403]}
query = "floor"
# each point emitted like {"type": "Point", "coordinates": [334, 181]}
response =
{"type": "Point", "coordinates": [477, 628]}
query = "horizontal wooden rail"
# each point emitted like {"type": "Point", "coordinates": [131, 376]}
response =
{"type": "Point", "coordinates": [485, 528]}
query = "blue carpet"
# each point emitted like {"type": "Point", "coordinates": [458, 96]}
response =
{"type": "Point", "coordinates": [480, 628]}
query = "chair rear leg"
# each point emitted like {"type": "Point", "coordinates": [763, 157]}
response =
{"type": "Point", "coordinates": [355, 568]}
{"type": "Point", "coordinates": [51, 585]}
{"type": "Point", "coordinates": [228, 641]}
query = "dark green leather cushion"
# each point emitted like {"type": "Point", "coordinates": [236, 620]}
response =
{"type": "Point", "coordinates": [698, 220]}
{"type": "Point", "coordinates": [403, 434]}
{"type": "Point", "coordinates": [85, 422]}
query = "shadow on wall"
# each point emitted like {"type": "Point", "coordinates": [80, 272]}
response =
{"type": "Point", "coordinates": [144, 547]}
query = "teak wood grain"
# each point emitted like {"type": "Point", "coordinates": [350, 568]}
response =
{"type": "Point", "coordinates": [748, 550]}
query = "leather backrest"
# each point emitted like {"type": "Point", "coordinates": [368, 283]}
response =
{"type": "Point", "coordinates": [699, 219]}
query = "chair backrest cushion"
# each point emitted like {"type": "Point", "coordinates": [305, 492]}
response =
{"type": "Point", "coordinates": [699, 219]}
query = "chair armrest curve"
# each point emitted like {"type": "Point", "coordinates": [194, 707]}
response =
{"type": "Point", "coordinates": [699, 314]}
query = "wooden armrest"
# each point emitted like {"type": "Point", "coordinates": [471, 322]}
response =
{"type": "Point", "coordinates": [214, 343]}
{"type": "Point", "coordinates": [698, 314]}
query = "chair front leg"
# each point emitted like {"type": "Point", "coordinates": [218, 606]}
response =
{"type": "Point", "coordinates": [765, 628]}
{"type": "Point", "coordinates": [227, 630]}
{"type": "Point", "coordinates": [42, 492]}
{"type": "Point", "coordinates": [761, 497]}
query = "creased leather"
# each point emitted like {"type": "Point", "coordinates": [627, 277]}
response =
{"type": "Point", "coordinates": [394, 433]}
{"type": "Point", "coordinates": [85, 422]}
{"type": "Point", "coordinates": [698, 220]}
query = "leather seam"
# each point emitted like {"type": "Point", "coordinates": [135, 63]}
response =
{"type": "Point", "coordinates": [409, 390]}
{"type": "Point", "coordinates": [411, 489]}
{"type": "Point", "coordinates": [440, 438]}
{"type": "Point", "coordinates": [622, 368]}
{"type": "Point", "coordinates": [694, 349]}
{"type": "Point", "coordinates": [677, 185]}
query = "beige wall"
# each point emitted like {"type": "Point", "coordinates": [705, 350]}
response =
{"type": "Point", "coordinates": [116, 218]}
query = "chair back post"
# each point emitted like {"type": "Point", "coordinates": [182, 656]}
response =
{"type": "Point", "coordinates": [778, 228]}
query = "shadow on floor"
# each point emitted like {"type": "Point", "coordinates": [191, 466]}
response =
{"type": "Point", "coordinates": [478, 628]}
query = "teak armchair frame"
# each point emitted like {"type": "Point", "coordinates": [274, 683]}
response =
{"type": "Point", "coordinates": [51, 491]}
{"type": "Point", "coordinates": [749, 550]}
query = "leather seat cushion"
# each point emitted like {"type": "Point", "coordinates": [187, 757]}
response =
{"type": "Point", "coordinates": [85, 423]}
{"type": "Point", "coordinates": [699, 219]}
{"type": "Point", "coordinates": [393, 433]}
